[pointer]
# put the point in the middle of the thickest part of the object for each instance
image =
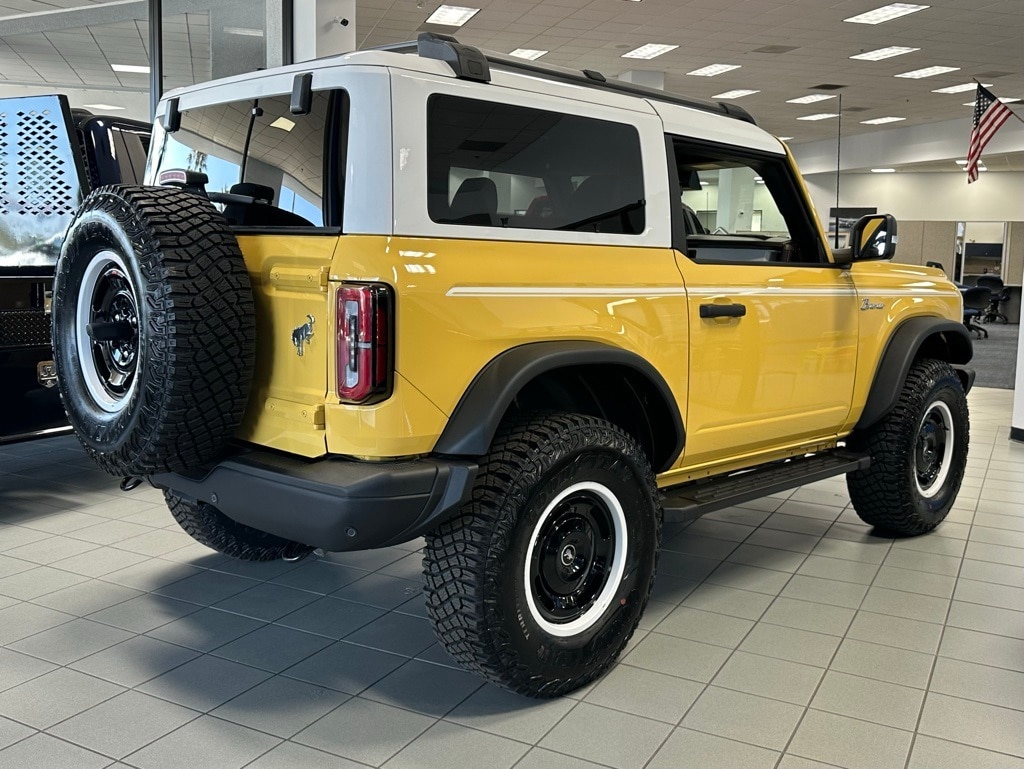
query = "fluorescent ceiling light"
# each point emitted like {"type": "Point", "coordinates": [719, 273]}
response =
{"type": "Point", "coordinates": [713, 69]}
{"type": "Point", "coordinates": [244, 31]}
{"type": "Point", "coordinates": [705, 184]}
{"type": "Point", "coordinates": [649, 51]}
{"type": "Point", "coordinates": [819, 116]}
{"type": "Point", "coordinates": [883, 170]}
{"type": "Point", "coordinates": [811, 98]}
{"type": "Point", "coordinates": [882, 120]}
{"type": "Point", "coordinates": [961, 88]}
{"type": "Point", "coordinates": [783, 138]}
{"type": "Point", "coordinates": [917, 74]}
{"type": "Point", "coordinates": [739, 93]}
{"type": "Point", "coordinates": [961, 162]}
{"type": "Point", "coordinates": [452, 15]}
{"type": "Point", "coordinates": [884, 53]}
{"type": "Point", "coordinates": [283, 123]}
{"type": "Point", "coordinates": [527, 53]}
{"type": "Point", "coordinates": [130, 68]}
{"type": "Point", "coordinates": [886, 13]}
{"type": "Point", "coordinates": [104, 107]}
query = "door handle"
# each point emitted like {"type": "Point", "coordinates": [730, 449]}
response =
{"type": "Point", "coordinates": [723, 310]}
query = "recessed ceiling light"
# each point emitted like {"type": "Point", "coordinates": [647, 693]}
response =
{"type": "Point", "coordinates": [882, 120]}
{"type": "Point", "coordinates": [961, 88]}
{"type": "Point", "coordinates": [883, 170]}
{"type": "Point", "coordinates": [104, 107]}
{"type": "Point", "coordinates": [811, 98]}
{"type": "Point", "coordinates": [961, 162]}
{"type": "Point", "coordinates": [886, 13]}
{"type": "Point", "coordinates": [884, 53]}
{"type": "Point", "coordinates": [784, 138]}
{"type": "Point", "coordinates": [713, 69]}
{"type": "Point", "coordinates": [819, 116]}
{"type": "Point", "coordinates": [452, 15]}
{"type": "Point", "coordinates": [917, 74]}
{"type": "Point", "coordinates": [283, 123]}
{"type": "Point", "coordinates": [739, 93]}
{"type": "Point", "coordinates": [130, 68]}
{"type": "Point", "coordinates": [649, 51]}
{"type": "Point", "coordinates": [705, 184]}
{"type": "Point", "coordinates": [244, 31]}
{"type": "Point", "coordinates": [529, 53]}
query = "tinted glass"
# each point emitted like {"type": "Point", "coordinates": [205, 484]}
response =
{"type": "Point", "coordinates": [283, 160]}
{"type": "Point", "coordinates": [741, 209]}
{"type": "Point", "coordinates": [498, 165]}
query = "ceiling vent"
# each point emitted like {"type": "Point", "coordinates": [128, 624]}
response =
{"type": "Point", "coordinates": [993, 73]}
{"type": "Point", "coordinates": [855, 109]}
{"type": "Point", "coordinates": [775, 49]}
{"type": "Point", "coordinates": [826, 87]}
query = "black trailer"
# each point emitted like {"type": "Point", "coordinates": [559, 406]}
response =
{"type": "Point", "coordinates": [50, 158]}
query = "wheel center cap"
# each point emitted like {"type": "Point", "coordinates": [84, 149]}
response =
{"type": "Point", "coordinates": [568, 555]}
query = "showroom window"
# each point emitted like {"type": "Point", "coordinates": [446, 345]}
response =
{"type": "Point", "coordinates": [257, 148]}
{"type": "Point", "coordinates": [496, 165]}
{"type": "Point", "coordinates": [740, 207]}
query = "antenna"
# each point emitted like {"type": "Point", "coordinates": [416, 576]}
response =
{"type": "Point", "coordinates": [839, 145]}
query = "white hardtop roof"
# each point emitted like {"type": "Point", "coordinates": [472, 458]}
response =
{"type": "Point", "coordinates": [678, 119]}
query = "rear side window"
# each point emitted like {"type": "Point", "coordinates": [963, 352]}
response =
{"type": "Point", "coordinates": [256, 149]}
{"type": "Point", "coordinates": [497, 165]}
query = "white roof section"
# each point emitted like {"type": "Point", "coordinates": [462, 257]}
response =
{"type": "Point", "coordinates": [685, 121]}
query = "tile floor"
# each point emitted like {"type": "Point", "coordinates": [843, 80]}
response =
{"type": "Point", "coordinates": [781, 634]}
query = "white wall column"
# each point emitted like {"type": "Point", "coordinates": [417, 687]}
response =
{"type": "Point", "coordinates": [736, 198]}
{"type": "Point", "coordinates": [323, 28]}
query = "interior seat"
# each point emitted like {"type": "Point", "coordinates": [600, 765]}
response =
{"type": "Point", "coordinates": [475, 202]}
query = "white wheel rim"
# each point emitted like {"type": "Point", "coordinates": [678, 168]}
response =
{"type": "Point", "coordinates": [103, 265]}
{"type": "Point", "coordinates": [615, 571]}
{"type": "Point", "coordinates": [940, 410]}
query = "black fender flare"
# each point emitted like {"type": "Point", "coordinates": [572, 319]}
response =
{"type": "Point", "coordinates": [899, 354]}
{"type": "Point", "coordinates": [475, 420]}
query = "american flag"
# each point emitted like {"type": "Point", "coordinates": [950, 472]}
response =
{"type": "Point", "coordinates": [989, 115]}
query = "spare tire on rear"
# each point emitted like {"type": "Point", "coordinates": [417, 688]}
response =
{"type": "Point", "coordinates": [154, 333]}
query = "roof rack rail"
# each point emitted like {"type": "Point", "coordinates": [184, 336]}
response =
{"type": "Point", "coordinates": [471, 63]}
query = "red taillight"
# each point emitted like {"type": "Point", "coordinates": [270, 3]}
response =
{"type": "Point", "coordinates": [364, 342]}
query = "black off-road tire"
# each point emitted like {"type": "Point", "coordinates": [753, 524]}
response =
{"type": "Point", "coordinates": [209, 526]}
{"type": "Point", "coordinates": [478, 569]}
{"type": "Point", "coordinates": [895, 494]}
{"type": "Point", "coordinates": [167, 262]}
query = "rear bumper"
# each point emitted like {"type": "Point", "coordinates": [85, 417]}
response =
{"type": "Point", "coordinates": [335, 504]}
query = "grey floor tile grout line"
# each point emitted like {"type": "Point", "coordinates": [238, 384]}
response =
{"type": "Point", "coordinates": [821, 680]}
{"type": "Point", "coordinates": [938, 651]}
{"type": "Point", "coordinates": [709, 683]}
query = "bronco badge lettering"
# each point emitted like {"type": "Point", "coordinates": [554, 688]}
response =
{"type": "Point", "coordinates": [866, 305]}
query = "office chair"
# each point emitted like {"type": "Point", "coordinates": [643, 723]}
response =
{"type": "Point", "coordinates": [1000, 294]}
{"type": "Point", "coordinates": [976, 301]}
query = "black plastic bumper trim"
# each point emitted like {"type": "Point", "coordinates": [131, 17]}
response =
{"type": "Point", "coordinates": [332, 503]}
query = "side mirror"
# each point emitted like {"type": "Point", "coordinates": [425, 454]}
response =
{"type": "Point", "coordinates": [874, 237]}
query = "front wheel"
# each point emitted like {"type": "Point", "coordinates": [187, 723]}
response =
{"type": "Point", "coordinates": [540, 581]}
{"type": "Point", "coordinates": [918, 454]}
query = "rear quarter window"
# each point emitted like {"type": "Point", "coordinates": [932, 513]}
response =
{"type": "Point", "coordinates": [491, 164]}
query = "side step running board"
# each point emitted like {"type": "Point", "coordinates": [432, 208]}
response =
{"type": "Point", "coordinates": [692, 500]}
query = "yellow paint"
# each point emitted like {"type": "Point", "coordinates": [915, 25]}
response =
{"type": "Point", "coordinates": [285, 273]}
{"type": "Point", "coordinates": [791, 376]}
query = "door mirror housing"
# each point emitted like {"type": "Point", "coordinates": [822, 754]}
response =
{"type": "Point", "coordinates": [874, 237]}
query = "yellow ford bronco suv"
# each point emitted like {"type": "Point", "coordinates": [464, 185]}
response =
{"type": "Point", "coordinates": [525, 312]}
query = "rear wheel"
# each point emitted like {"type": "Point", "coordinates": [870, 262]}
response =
{"type": "Point", "coordinates": [918, 454]}
{"type": "Point", "coordinates": [209, 526]}
{"type": "Point", "coordinates": [541, 579]}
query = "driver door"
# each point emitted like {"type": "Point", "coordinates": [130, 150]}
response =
{"type": "Point", "coordinates": [773, 324]}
